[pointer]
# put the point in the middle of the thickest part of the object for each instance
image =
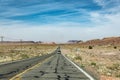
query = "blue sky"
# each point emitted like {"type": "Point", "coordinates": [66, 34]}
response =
{"type": "Point", "coordinates": [59, 20]}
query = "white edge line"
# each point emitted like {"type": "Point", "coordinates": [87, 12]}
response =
{"type": "Point", "coordinates": [90, 77]}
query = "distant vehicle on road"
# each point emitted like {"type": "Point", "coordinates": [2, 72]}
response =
{"type": "Point", "coordinates": [59, 52]}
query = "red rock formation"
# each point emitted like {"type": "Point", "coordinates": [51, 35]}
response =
{"type": "Point", "coordinates": [104, 41]}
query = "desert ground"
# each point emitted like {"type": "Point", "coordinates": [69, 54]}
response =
{"type": "Point", "coordinates": [13, 52]}
{"type": "Point", "coordinates": [100, 61]}
{"type": "Point", "coordinates": [103, 62]}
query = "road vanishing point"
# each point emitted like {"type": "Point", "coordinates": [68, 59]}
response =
{"type": "Point", "coordinates": [54, 66]}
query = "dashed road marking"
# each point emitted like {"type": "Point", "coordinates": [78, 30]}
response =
{"type": "Point", "coordinates": [19, 76]}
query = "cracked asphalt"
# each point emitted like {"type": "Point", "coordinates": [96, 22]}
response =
{"type": "Point", "coordinates": [56, 68]}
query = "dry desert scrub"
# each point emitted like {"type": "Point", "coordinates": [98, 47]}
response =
{"type": "Point", "coordinates": [101, 60]}
{"type": "Point", "coordinates": [14, 52]}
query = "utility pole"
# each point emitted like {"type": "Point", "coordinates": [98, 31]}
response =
{"type": "Point", "coordinates": [2, 37]}
{"type": "Point", "coordinates": [1, 46]}
{"type": "Point", "coordinates": [21, 44]}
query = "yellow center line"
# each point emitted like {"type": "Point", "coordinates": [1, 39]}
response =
{"type": "Point", "coordinates": [19, 76]}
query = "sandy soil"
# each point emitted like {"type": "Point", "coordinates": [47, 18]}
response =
{"type": "Point", "coordinates": [103, 61]}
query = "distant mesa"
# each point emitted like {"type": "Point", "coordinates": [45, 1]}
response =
{"type": "Point", "coordinates": [75, 41]}
{"type": "Point", "coordinates": [99, 42]}
{"type": "Point", "coordinates": [104, 41]}
{"type": "Point", "coordinates": [39, 42]}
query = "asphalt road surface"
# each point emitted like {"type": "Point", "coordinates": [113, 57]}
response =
{"type": "Point", "coordinates": [11, 69]}
{"type": "Point", "coordinates": [55, 68]}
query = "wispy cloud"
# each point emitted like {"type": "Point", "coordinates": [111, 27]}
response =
{"type": "Point", "coordinates": [59, 21]}
{"type": "Point", "coordinates": [11, 10]}
{"type": "Point", "coordinates": [107, 4]}
{"type": "Point", "coordinates": [61, 33]}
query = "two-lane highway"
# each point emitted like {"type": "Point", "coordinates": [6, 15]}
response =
{"type": "Point", "coordinates": [55, 68]}
{"type": "Point", "coordinates": [11, 69]}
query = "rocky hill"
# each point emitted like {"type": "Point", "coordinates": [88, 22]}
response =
{"type": "Point", "coordinates": [104, 41]}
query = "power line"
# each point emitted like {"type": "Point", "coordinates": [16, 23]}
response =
{"type": "Point", "coordinates": [2, 38]}
{"type": "Point", "coordinates": [9, 38]}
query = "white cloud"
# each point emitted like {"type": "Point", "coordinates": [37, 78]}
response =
{"type": "Point", "coordinates": [61, 32]}
{"type": "Point", "coordinates": [103, 23]}
{"type": "Point", "coordinates": [100, 2]}
{"type": "Point", "coordinates": [107, 3]}
{"type": "Point", "coordinates": [58, 33]}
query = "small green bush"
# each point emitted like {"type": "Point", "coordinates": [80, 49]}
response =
{"type": "Point", "coordinates": [114, 67]}
{"type": "Point", "coordinates": [93, 64]}
{"type": "Point", "coordinates": [90, 47]}
{"type": "Point", "coordinates": [115, 47]}
{"type": "Point", "coordinates": [118, 75]}
{"type": "Point", "coordinates": [82, 66]}
{"type": "Point", "coordinates": [24, 56]}
{"type": "Point", "coordinates": [78, 58]}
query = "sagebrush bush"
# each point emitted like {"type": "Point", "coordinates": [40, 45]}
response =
{"type": "Point", "coordinates": [24, 56]}
{"type": "Point", "coordinates": [78, 58]}
{"type": "Point", "coordinates": [93, 64]}
{"type": "Point", "coordinates": [115, 47]}
{"type": "Point", "coordinates": [90, 47]}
